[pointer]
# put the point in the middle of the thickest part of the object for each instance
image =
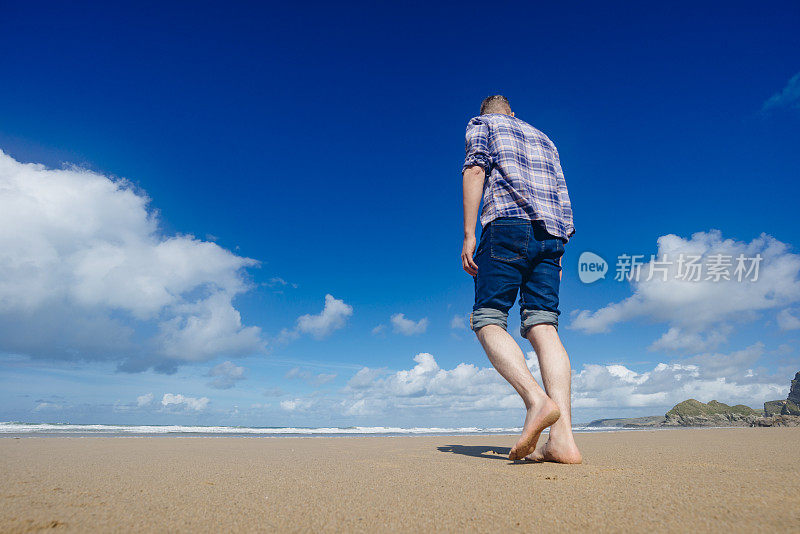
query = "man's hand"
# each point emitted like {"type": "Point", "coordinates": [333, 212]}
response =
{"type": "Point", "coordinates": [466, 255]}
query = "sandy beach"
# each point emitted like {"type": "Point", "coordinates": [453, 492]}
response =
{"type": "Point", "coordinates": [701, 480]}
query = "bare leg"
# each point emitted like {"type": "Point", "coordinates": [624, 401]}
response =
{"type": "Point", "coordinates": [507, 358]}
{"type": "Point", "coordinates": [557, 378]}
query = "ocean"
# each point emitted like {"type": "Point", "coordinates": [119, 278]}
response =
{"type": "Point", "coordinates": [17, 429]}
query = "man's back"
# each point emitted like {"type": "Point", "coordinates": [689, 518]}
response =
{"type": "Point", "coordinates": [523, 173]}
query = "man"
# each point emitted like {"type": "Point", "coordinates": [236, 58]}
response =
{"type": "Point", "coordinates": [526, 220]}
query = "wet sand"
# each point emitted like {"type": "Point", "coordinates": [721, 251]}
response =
{"type": "Point", "coordinates": [698, 480]}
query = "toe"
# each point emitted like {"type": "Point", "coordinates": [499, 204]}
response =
{"type": "Point", "coordinates": [535, 456]}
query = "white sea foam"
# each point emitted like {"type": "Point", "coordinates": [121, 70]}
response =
{"type": "Point", "coordinates": [64, 428]}
{"type": "Point", "coordinates": [17, 428]}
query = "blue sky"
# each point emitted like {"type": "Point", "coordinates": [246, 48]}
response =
{"type": "Point", "coordinates": [206, 175]}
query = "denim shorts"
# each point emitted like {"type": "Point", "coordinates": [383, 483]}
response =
{"type": "Point", "coordinates": [517, 255]}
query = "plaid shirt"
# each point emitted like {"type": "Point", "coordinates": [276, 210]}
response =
{"type": "Point", "coordinates": [524, 176]}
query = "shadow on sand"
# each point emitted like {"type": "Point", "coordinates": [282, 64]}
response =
{"type": "Point", "coordinates": [478, 451]}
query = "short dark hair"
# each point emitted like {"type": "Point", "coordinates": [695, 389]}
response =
{"type": "Point", "coordinates": [495, 104]}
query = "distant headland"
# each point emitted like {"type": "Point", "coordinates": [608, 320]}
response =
{"type": "Point", "coordinates": [691, 412]}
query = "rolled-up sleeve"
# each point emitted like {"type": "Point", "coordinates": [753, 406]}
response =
{"type": "Point", "coordinates": [477, 146]}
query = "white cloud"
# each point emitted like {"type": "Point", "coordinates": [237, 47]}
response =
{"type": "Point", "coordinates": [407, 327]}
{"type": "Point", "coordinates": [278, 282]}
{"type": "Point", "coordinates": [85, 273]}
{"type": "Point", "coordinates": [144, 400]}
{"type": "Point", "coordinates": [312, 378]}
{"type": "Point", "coordinates": [379, 330]}
{"type": "Point", "coordinates": [428, 390]}
{"type": "Point", "coordinates": [428, 387]}
{"type": "Point", "coordinates": [187, 403]}
{"type": "Point", "coordinates": [735, 366]}
{"type": "Point", "coordinates": [226, 375]}
{"type": "Point", "coordinates": [729, 378]}
{"type": "Point", "coordinates": [457, 323]}
{"type": "Point", "coordinates": [296, 405]}
{"type": "Point", "coordinates": [789, 97]}
{"type": "Point", "coordinates": [787, 321]}
{"type": "Point", "coordinates": [700, 314]}
{"type": "Point", "coordinates": [333, 316]}
{"type": "Point", "coordinates": [358, 407]}
{"type": "Point", "coordinates": [364, 378]}
{"type": "Point", "coordinates": [47, 406]}
{"type": "Point", "coordinates": [204, 329]}
{"type": "Point", "coordinates": [678, 339]}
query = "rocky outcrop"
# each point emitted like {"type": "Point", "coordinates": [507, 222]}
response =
{"type": "Point", "coordinates": [776, 413]}
{"type": "Point", "coordinates": [790, 406]}
{"type": "Point", "coordinates": [773, 407]}
{"type": "Point", "coordinates": [778, 420]}
{"type": "Point", "coordinates": [794, 392]}
{"type": "Point", "coordinates": [695, 413]}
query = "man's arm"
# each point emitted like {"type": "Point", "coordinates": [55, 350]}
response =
{"type": "Point", "coordinates": [563, 196]}
{"type": "Point", "coordinates": [473, 191]}
{"type": "Point", "coordinates": [477, 165]}
{"type": "Point", "coordinates": [566, 204]}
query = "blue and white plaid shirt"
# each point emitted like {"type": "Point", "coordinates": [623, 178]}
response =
{"type": "Point", "coordinates": [523, 173]}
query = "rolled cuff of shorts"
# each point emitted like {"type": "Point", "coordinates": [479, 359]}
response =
{"type": "Point", "coordinates": [534, 317]}
{"type": "Point", "coordinates": [486, 316]}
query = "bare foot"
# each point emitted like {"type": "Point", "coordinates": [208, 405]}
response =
{"type": "Point", "coordinates": [537, 419]}
{"type": "Point", "coordinates": [563, 453]}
